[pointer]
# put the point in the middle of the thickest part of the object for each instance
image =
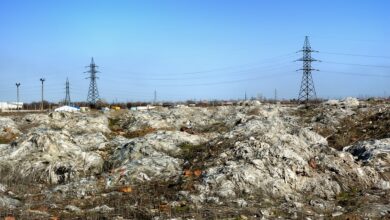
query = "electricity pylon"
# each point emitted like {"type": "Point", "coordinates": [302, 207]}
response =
{"type": "Point", "coordinates": [93, 93]}
{"type": "Point", "coordinates": [307, 90]}
{"type": "Point", "coordinates": [67, 93]}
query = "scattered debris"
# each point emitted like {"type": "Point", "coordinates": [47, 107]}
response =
{"type": "Point", "coordinates": [246, 162]}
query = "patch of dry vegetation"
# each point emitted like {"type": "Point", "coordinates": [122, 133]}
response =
{"type": "Point", "coordinates": [139, 133]}
{"type": "Point", "coordinates": [360, 127]}
{"type": "Point", "coordinates": [365, 124]}
{"type": "Point", "coordinates": [116, 126]}
{"type": "Point", "coordinates": [8, 138]}
{"type": "Point", "coordinates": [119, 126]}
{"type": "Point", "coordinates": [218, 127]}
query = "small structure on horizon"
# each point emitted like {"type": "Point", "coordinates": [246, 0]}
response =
{"type": "Point", "coordinates": [4, 106]}
{"type": "Point", "coordinates": [142, 108]}
{"type": "Point", "coordinates": [85, 109]}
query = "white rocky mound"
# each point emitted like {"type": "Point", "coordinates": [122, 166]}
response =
{"type": "Point", "coordinates": [274, 157]}
{"type": "Point", "coordinates": [249, 154]}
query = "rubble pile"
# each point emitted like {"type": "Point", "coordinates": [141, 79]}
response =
{"type": "Point", "coordinates": [274, 157]}
{"type": "Point", "coordinates": [155, 156]}
{"type": "Point", "coordinates": [375, 153]}
{"type": "Point", "coordinates": [8, 130]}
{"type": "Point", "coordinates": [249, 160]}
{"type": "Point", "coordinates": [60, 149]}
{"type": "Point", "coordinates": [174, 119]}
{"type": "Point", "coordinates": [348, 121]}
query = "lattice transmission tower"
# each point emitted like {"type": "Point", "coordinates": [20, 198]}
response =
{"type": "Point", "coordinates": [93, 93]}
{"type": "Point", "coordinates": [67, 93]}
{"type": "Point", "coordinates": [307, 90]}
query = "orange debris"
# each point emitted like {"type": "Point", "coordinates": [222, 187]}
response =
{"type": "Point", "coordinates": [312, 163]}
{"type": "Point", "coordinates": [197, 173]}
{"type": "Point", "coordinates": [187, 173]}
{"type": "Point", "coordinates": [126, 189]}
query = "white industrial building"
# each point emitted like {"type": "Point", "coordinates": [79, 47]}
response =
{"type": "Point", "coordinates": [4, 106]}
{"type": "Point", "coordinates": [142, 108]}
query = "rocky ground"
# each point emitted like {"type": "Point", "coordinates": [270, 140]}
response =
{"type": "Point", "coordinates": [253, 161]}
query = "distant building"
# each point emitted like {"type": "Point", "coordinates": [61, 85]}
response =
{"type": "Point", "coordinates": [4, 106]}
{"type": "Point", "coordinates": [142, 108]}
{"type": "Point", "coordinates": [85, 109]}
{"type": "Point", "coordinates": [168, 105]}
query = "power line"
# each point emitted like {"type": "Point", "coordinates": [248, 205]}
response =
{"type": "Point", "coordinates": [212, 73]}
{"type": "Point", "coordinates": [209, 76]}
{"type": "Point", "coordinates": [230, 82]}
{"type": "Point", "coordinates": [337, 37]}
{"type": "Point", "coordinates": [356, 64]}
{"type": "Point", "coordinates": [357, 74]}
{"type": "Point", "coordinates": [217, 82]}
{"type": "Point", "coordinates": [263, 61]}
{"type": "Point", "coordinates": [219, 68]}
{"type": "Point", "coordinates": [356, 55]}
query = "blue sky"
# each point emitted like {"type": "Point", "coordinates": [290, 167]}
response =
{"type": "Point", "coordinates": [203, 49]}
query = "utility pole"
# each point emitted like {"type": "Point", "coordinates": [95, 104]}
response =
{"type": "Point", "coordinates": [67, 93]}
{"type": "Point", "coordinates": [17, 95]}
{"type": "Point", "coordinates": [155, 97]}
{"type": "Point", "coordinates": [93, 93]}
{"type": "Point", "coordinates": [245, 96]}
{"type": "Point", "coordinates": [42, 80]}
{"type": "Point", "coordinates": [307, 90]}
{"type": "Point", "coordinates": [276, 95]}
